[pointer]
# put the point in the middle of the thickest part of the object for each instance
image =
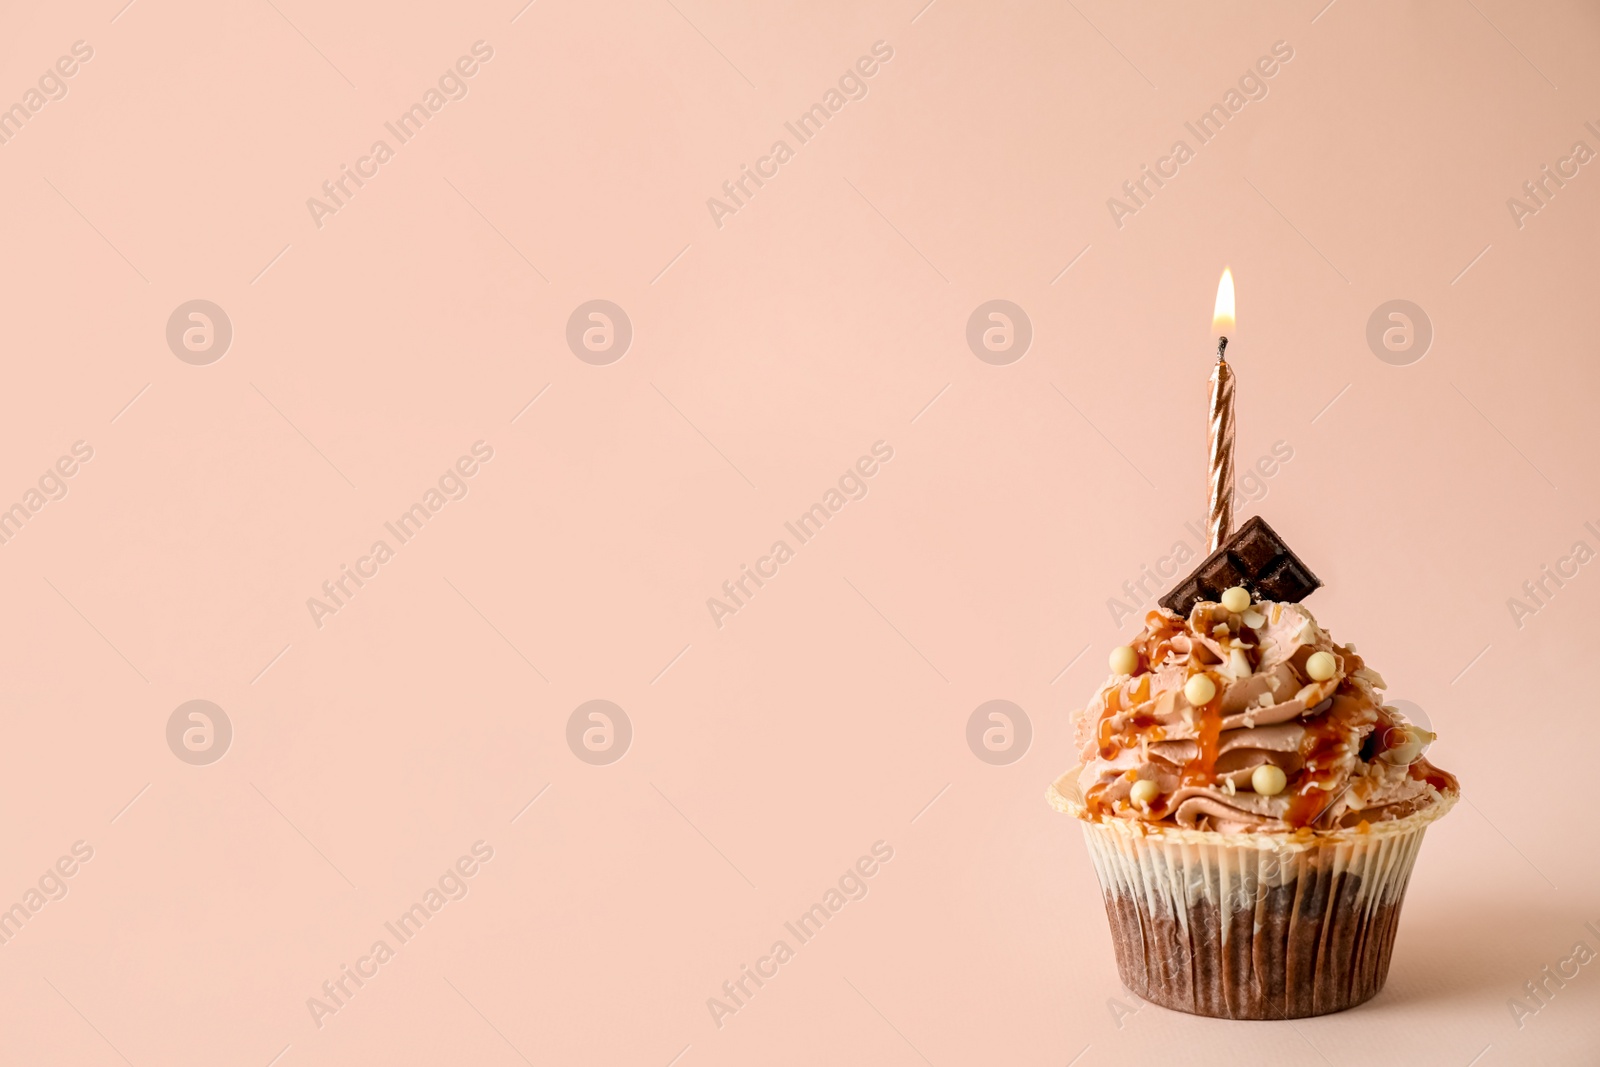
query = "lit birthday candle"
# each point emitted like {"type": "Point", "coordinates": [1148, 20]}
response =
{"type": "Point", "coordinates": [1219, 437]}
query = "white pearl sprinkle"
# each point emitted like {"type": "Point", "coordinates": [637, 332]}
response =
{"type": "Point", "coordinates": [1124, 660]}
{"type": "Point", "coordinates": [1321, 666]}
{"type": "Point", "coordinates": [1144, 792]}
{"type": "Point", "coordinates": [1236, 599]}
{"type": "Point", "coordinates": [1199, 690]}
{"type": "Point", "coordinates": [1268, 780]}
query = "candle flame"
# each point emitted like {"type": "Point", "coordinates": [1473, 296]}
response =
{"type": "Point", "coordinates": [1222, 318]}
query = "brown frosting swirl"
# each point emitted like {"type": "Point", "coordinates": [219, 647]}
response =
{"type": "Point", "coordinates": [1347, 757]}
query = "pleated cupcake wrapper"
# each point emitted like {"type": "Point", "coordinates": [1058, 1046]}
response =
{"type": "Point", "coordinates": [1251, 926]}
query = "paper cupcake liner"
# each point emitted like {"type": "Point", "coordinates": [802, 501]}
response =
{"type": "Point", "coordinates": [1251, 926]}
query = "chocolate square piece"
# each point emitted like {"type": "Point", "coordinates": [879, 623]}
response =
{"type": "Point", "coordinates": [1256, 549]}
{"type": "Point", "coordinates": [1286, 581]}
{"type": "Point", "coordinates": [1189, 592]}
{"type": "Point", "coordinates": [1220, 572]}
{"type": "Point", "coordinates": [1254, 557]}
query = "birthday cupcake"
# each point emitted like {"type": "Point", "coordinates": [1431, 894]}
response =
{"type": "Point", "coordinates": [1252, 807]}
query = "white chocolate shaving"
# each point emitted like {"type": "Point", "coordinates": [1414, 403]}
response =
{"type": "Point", "coordinates": [1371, 677]}
{"type": "Point", "coordinates": [1239, 663]}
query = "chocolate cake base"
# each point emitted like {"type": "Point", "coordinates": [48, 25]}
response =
{"type": "Point", "coordinates": [1295, 953]}
{"type": "Point", "coordinates": [1252, 926]}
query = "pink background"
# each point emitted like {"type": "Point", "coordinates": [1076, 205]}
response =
{"type": "Point", "coordinates": [768, 354]}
